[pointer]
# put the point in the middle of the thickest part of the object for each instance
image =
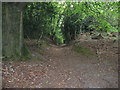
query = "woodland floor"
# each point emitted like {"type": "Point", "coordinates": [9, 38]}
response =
{"type": "Point", "coordinates": [61, 67]}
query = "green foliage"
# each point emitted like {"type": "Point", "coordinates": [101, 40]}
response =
{"type": "Point", "coordinates": [25, 52]}
{"type": "Point", "coordinates": [82, 50]}
{"type": "Point", "coordinates": [63, 21]}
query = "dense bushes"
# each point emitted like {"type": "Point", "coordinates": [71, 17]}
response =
{"type": "Point", "coordinates": [63, 21]}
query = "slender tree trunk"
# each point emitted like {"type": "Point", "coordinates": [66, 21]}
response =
{"type": "Point", "coordinates": [21, 32]}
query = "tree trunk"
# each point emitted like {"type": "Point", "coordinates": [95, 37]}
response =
{"type": "Point", "coordinates": [12, 29]}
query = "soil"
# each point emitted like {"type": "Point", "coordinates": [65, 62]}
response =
{"type": "Point", "coordinates": [61, 67]}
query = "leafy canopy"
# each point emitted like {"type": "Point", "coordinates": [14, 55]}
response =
{"type": "Point", "coordinates": [63, 21]}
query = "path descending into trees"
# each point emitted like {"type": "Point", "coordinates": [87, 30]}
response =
{"type": "Point", "coordinates": [61, 67]}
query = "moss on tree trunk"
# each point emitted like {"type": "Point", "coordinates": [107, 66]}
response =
{"type": "Point", "coordinates": [12, 40]}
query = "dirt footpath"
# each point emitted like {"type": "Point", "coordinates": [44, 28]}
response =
{"type": "Point", "coordinates": [63, 68]}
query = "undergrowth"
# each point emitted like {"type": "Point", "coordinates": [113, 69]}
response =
{"type": "Point", "coordinates": [22, 58]}
{"type": "Point", "coordinates": [82, 50]}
